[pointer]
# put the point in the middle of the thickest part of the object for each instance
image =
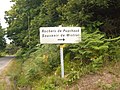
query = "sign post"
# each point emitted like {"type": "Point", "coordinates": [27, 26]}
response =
{"type": "Point", "coordinates": [62, 60]}
{"type": "Point", "coordinates": [60, 35]}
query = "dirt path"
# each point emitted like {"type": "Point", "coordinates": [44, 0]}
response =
{"type": "Point", "coordinates": [106, 79]}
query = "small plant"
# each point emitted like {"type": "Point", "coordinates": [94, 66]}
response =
{"type": "Point", "coordinates": [50, 83]}
{"type": "Point", "coordinates": [113, 86]}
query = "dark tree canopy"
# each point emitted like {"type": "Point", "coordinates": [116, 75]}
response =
{"type": "Point", "coordinates": [27, 16]}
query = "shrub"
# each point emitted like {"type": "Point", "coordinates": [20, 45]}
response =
{"type": "Point", "coordinates": [93, 48]}
{"type": "Point", "coordinates": [41, 62]}
{"type": "Point", "coordinates": [114, 48]}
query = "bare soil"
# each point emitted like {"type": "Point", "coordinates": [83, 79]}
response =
{"type": "Point", "coordinates": [106, 79]}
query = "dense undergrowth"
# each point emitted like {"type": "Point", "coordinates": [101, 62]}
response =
{"type": "Point", "coordinates": [39, 68]}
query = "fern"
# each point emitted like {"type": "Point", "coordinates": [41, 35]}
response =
{"type": "Point", "coordinates": [114, 48]}
{"type": "Point", "coordinates": [93, 46]}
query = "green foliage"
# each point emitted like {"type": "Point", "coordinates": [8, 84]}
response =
{"type": "Point", "coordinates": [113, 86]}
{"type": "Point", "coordinates": [2, 39]}
{"type": "Point", "coordinates": [42, 62]}
{"type": "Point", "coordinates": [50, 83]}
{"type": "Point", "coordinates": [20, 52]}
{"type": "Point", "coordinates": [92, 48]}
{"type": "Point", "coordinates": [42, 70]}
{"type": "Point", "coordinates": [11, 49]}
{"type": "Point", "coordinates": [26, 17]}
{"type": "Point", "coordinates": [114, 53]}
{"type": "Point", "coordinates": [82, 13]}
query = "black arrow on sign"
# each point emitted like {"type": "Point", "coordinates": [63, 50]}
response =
{"type": "Point", "coordinates": [61, 39]}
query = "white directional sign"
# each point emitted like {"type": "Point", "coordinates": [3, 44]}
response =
{"type": "Point", "coordinates": [60, 35]}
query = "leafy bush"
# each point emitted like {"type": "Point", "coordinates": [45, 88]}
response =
{"type": "Point", "coordinates": [41, 62]}
{"type": "Point", "coordinates": [93, 48]}
{"type": "Point", "coordinates": [114, 50]}
{"type": "Point", "coordinates": [20, 52]}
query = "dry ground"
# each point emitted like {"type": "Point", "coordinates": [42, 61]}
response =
{"type": "Point", "coordinates": [106, 79]}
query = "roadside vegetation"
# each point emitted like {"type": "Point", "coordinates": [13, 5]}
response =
{"type": "Point", "coordinates": [37, 66]}
{"type": "Point", "coordinates": [39, 69]}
